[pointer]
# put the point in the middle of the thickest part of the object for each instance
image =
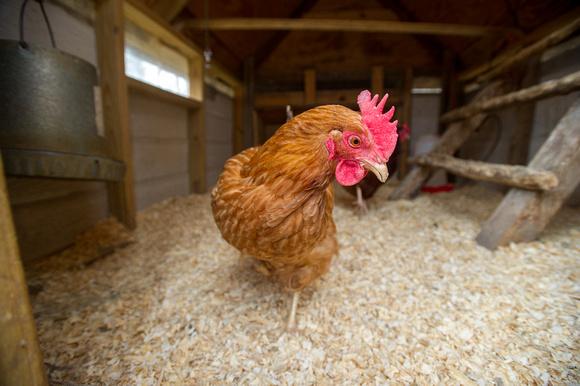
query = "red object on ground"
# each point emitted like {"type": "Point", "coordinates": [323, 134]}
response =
{"type": "Point", "coordinates": [437, 188]}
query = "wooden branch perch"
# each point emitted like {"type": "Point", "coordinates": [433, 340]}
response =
{"type": "Point", "coordinates": [385, 26]}
{"type": "Point", "coordinates": [511, 175]}
{"type": "Point", "coordinates": [560, 86]}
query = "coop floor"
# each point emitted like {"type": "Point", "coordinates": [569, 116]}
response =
{"type": "Point", "coordinates": [410, 298]}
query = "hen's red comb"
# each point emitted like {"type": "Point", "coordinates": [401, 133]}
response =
{"type": "Point", "coordinates": [382, 129]}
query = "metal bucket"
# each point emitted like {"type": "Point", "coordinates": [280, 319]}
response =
{"type": "Point", "coordinates": [47, 114]}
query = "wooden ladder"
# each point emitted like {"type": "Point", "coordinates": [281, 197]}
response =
{"type": "Point", "coordinates": [538, 189]}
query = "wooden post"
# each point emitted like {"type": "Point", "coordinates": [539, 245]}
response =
{"type": "Point", "coordinates": [109, 28]}
{"type": "Point", "coordinates": [310, 86]}
{"type": "Point", "coordinates": [20, 356]}
{"type": "Point", "coordinates": [378, 80]}
{"type": "Point", "coordinates": [238, 134]}
{"type": "Point", "coordinates": [523, 215]}
{"type": "Point", "coordinates": [407, 115]}
{"type": "Point", "coordinates": [522, 131]}
{"type": "Point", "coordinates": [248, 102]}
{"type": "Point", "coordinates": [452, 139]}
{"type": "Point", "coordinates": [197, 149]}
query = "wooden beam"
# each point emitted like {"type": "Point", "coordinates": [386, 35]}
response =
{"type": "Point", "coordinates": [523, 215]}
{"type": "Point", "coordinates": [407, 115]}
{"type": "Point", "coordinates": [430, 44]}
{"type": "Point", "coordinates": [238, 134]}
{"type": "Point", "coordinates": [20, 357]}
{"type": "Point", "coordinates": [309, 86]}
{"type": "Point", "coordinates": [378, 80]}
{"type": "Point", "coordinates": [519, 54]}
{"type": "Point", "coordinates": [109, 29]}
{"type": "Point", "coordinates": [169, 10]}
{"type": "Point", "coordinates": [452, 139]}
{"type": "Point", "coordinates": [344, 25]}
{"type": "Point", "coordinates": [564, 85]}
{"type": "Point", "coordinates": [265, 50]}
{"type": "Point", "coordinates": [510, 175]}
{"type": "Point", "coordinates": [197, 131]}
{"type": "Point", "coordinates": [296, 99]}
{"type": "Point", "coordinates": [249, 104]}
{"type": "Point", "coordinates": [147, 89]}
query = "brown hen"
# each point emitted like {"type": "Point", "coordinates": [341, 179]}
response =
{"type": "Point", "coordinates": [274, 202]}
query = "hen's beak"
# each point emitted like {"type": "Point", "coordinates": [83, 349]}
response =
{"type": "Point", "coordinates": [380, 170]}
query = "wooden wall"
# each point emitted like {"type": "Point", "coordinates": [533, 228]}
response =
{"type": "Point", "coordinates": [160, 149]}
{"type": "Point", "coordinates": [219, 125]}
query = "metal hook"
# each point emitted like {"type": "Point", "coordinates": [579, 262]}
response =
{"type": "Point", "coordinates": [22, 8]}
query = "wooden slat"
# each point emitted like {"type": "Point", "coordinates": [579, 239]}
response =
{"type": "Point", "coordinates": [238, 134]}
{"type": "Point", "coordinates": [452, 139]}
{"type": "Point", "coordinates": [156, 92]}
{"type": "Point", "coordinates": [564, 85]}
{"type": "Point", "coordinates": [295, 99]}
{"type": "Point", "coordinates": [376, 26]}
{"type": "Point", "coordinates": [109, 28]}
{"type": "Point", "coordinates": [513, 56]}
{"type": "Point", "coordinates": [510, 175]}
{"type": "Point", "coordinates": [20, 356]}
{"type": "Point", "coordinates": [249, 106]}
{"type": "Point", "coordinates": [523, 215]}
{"type": "Point", "coordinates": [407, 113]}
{"type": "Point", "coordinates": [309, 86]}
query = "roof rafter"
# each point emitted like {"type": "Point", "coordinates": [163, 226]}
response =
{"type": "Point", "coordinates": [265, 50]}
{"type": "Point", "coordinates": [350, 25]}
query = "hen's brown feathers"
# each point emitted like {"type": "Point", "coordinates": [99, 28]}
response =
{"type": "Point", "coordinates": [275, 202]}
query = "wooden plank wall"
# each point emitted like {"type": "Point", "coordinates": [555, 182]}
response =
{"type": "Point", "coordinates": [160, 152]}
{"type": "Point", "coordinates": [219, 125]}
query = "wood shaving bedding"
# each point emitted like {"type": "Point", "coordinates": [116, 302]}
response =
{"type": "Point", "coordinates": [410, 299]}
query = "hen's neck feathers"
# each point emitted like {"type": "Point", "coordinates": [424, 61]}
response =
{"type": "Point", "coordinates": [295, 157]}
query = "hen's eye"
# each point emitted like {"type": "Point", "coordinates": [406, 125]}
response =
{"type": "Point", "coordinates": [354, 141]}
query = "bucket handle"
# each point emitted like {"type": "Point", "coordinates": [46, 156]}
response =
{"type": "Point", "coordinates": [22, 8]}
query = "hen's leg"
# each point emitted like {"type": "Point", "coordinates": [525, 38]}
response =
{"type": "Point", "coordinates": [360, 202]}
{"type": "Point", "coordinates": [292, 318]}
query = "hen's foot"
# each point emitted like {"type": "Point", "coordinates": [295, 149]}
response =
{"type": "Point", "coordinates": [361, 205]}
{"type": "Point", "coordinates": [291, 326]}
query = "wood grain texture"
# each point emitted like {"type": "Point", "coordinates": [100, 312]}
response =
{"type": "Point", "coordinates": [511, 175]}
{"type": "Point", "coordinates": [311, 24]}
{"type": "Point", "coordinates": [309, 86]}
{"type": "Point", "coordinates": [20, 356]}
{"type": "Point", "coordinates": [109, 29]}
{"type": "Point", "coordinates": [523, 215]}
